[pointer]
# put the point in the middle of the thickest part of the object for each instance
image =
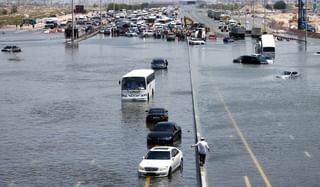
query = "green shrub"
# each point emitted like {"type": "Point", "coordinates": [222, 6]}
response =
{"type": "Point", "coordinates": [3, 11]}
{"type": "Point", "coordinates": [14, 9]}
{"type": "Point", "coordinates": [280, 5]}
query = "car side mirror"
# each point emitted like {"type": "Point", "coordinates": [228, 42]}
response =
{"type": "Point", "coordinates": [119, 82]}
{"type": "Point", "coordinates": [147, 110]}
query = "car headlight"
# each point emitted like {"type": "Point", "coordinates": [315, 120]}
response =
{"type": "Point", "coordinates": [141, 168]}
{"type": "Point", "coordinates": [163, 168]}
{"type": "Point", "coordinates": [167, 138]}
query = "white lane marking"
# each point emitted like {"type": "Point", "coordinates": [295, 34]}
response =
{"type": "Point", "coordinates": [78, 184]}
{"type": "Point", "coordinates": [247, 181]}
{"type": "Point", "coordinates": [291, 137]}
{"type": "Point", "coordinates": [307, 154]}
{"type": "Point", "coordinates": [11, 184]}
{"type": "Point", "coordinates": [279, 124]}
{"type": "Point", "coordinates": [92, 162]}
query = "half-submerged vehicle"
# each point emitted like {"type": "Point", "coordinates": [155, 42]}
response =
{"type": "Point", "coordinates": [11, 48]}
{"type": "Point", "coordinates": [289, 75]}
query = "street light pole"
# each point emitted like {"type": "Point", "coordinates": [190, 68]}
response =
{"type": "Point", "coordinates": [306, 24]}
{"type": "Point", "coordinates": [72, 32]}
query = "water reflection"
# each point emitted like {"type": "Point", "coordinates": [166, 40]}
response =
{"type": "Point", "coordinates": [133, 110]}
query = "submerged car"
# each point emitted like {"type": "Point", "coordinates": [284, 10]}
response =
{"type": "Point", "coordinates": [11, 48]}
{"type": "Point", "coordinates": [159, 63]}
{"type": "Point", "coordinates": [156, 115]}
{"type": "Point", "coordinates": [253, 59]}
{"type": "Point", "coordinates": [164, 133]}
{"type": "Point", "coordinates": [288, 75]}
{"type": "Point", "coordinates": [264, 59]}
{"type": "Point", "coordinates": [161, 161]}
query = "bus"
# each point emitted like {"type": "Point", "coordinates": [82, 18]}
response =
{"type": "Point", "coordinates": [266, 45]}
{"type": "Point", "coordinates": [138, 85]}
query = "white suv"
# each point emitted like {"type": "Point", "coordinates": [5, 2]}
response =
{"type": "Point", "coordinates": [161, 161]}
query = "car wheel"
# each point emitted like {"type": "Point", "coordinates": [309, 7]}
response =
{"type": "Point", "coordinates": [181, 163]}
{"type": "Point", "coordinates": [169, 172]}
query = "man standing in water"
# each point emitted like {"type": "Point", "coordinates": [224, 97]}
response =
{"type": "Point", "coordinates": [203, 149]}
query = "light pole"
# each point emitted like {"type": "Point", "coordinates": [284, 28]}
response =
{"type": "Point", "coordinates": [306, 24]}
{"type": "Point", "coordinates": [264, 17]}
{"type": "Point", "coordinates": [100, 14]}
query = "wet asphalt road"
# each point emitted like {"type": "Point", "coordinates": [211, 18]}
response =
{"type": "Point", "coordinates": [63, 123]}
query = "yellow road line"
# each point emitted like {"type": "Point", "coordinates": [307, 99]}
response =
{"type": "Point", "coordinates": [247, 181]}
{"type": "Point", "coordinates": [147, 181]}
{"type": "Point", "coordinates": [245, 143]}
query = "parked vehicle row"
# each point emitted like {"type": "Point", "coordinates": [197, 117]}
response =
{"type": "Point", "coordinates": [162, 159]}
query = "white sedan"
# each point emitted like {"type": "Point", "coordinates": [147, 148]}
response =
{"type": "Point", "coordinates": [161, 161]}
{"type": "Point", "coordinates": [288, 75]}
{"type": "Point", "coordinates": [196, 41]}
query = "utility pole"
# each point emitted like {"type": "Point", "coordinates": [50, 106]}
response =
{"type": "Point", "coordinates": [306, 24]}
{"type": "Point", "coordinates": [264, 17]}
{"type": "Point", "coordinates": [100, 14]}
{"type": "Point", "coordinates": [72, 32]}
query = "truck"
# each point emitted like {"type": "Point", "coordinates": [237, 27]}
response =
{"type": "Point", "coordinates": [256, 32]}
{"type": "Point", "coordinates": [237, 32]}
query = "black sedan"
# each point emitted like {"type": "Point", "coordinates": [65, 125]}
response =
{"type": "Point", "coordinates": [159, 63]}
{"type": "Point", "coordinates": [11, 48]}
{"type": "Point", "coordinates": [253, 59]}
{"type": "Point", "coordinates": [156, 115]}
{"type": "Point", "coordinates": [164, 133]}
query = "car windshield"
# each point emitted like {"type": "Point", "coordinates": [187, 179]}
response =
{"type": "Point", "coordinates": [163, 127]}
{"type": "Point", "coordinates": [158, 155]}
{"type": "Point", "coordinates": [286, 73]}
{"type": "Point", "coordinates": [156, 111]}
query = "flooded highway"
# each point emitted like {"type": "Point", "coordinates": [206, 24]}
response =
{"type": "Point", "coordinates": [63, 123]}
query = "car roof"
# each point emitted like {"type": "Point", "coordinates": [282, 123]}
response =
{"type": "Point", "coordinates": [154, 59]}
{"type": "Point", "coordinates": [156, 108]}
{"type": "Point", "coordinates": [166, 123]}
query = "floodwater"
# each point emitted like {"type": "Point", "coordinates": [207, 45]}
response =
{"type": "Point", "coordinates": [62, 119]}
{"type": "Point", "coordinates": [278, 118]}
{"type": "Point", "coordinates": [63, 123]}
